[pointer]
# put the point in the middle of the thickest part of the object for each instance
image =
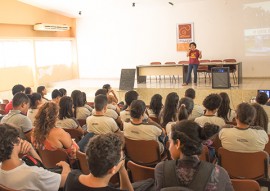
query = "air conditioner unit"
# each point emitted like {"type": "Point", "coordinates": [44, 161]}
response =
{"type": "Point", "coordinates": [50, 27]}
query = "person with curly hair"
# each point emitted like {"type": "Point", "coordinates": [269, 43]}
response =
{"type": "Point", "coordinates": [15, 174]}
{"type": "Point", "coordinates": [225, 111]}
{"type": "Point", "coordinates": [169, 111]}
{"type": "Point", "coordinates": [105, 158]}
{"type": "Point", "coordinates": [155, 105]}
{"type": "Point", "coordinates": [211, 103]}
{"type": "Point", "coordinates": [47, 136]}
{"type": "Point", "coordinates": [185, 145]}
{"type": "Point", "coordinates": [244, 137]}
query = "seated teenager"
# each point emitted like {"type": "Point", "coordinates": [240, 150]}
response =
{"type": "Point", "coordinates": [28, 91]}
{"type": "Point", "coordinates": [35, 103]}
{"type": "Point", "coordinates": [15, 174]}
{"type": "Point", "coordinates": [211, 103]}
{"type": "Point", "coordinates": [63, 91]}
{"type": "Point", "coordinates": [185, 145]}
{"type": "Point", "coordinates": [225, 111]}
{"type": "Point", "coordinates": [47, 136]}
{"type": "Point", "coordinates": [198, 110]}
{"type": "Point", "coordinates": [262, 99]}
{"type": "Point", "coordinates": [243, 137]}
{"type": "Point", "coordinates": [184, 111]}
{"type": "Point", "coordinates": [17, 116]}
{"type": "Point", "coordinates": [136, 129]}
{"type": "Point", "coordinates": [110, 92]}
{"type": "Point", "coordinates": [155, 106]}
{"type": "Point", "coordinates": [261, 118]}
{"type": "Point", "coordinates": [15, 89]}
{"type": "Point", "coordinates": [56, 96]}
{"type": "Point", "coordinates": [85, 102]}
{"type": "Point", "coordinates": [105, 158]}
{"type": "Point", "coordinates": [80, 112]}
{"type": "Point", "coordinates": [43, 91]}
{"type": "Point", "coordinates": [98, 123]}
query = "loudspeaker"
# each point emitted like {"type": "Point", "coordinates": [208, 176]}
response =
{"type": "Point", "coordinates": [221, 77]}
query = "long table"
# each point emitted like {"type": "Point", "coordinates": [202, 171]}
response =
{"type": "Point", "coordinates": [179, 70]}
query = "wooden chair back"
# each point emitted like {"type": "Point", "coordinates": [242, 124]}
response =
{"type": "Point", "coordinates": [183, 62]}
{"type": "Point", "coordinates": [155, 63]}
{"type": "Point", "coordinates": [244, 165]}
{"type": "Point", "coordinates": [50, 158]}
{"type": "Point", "coordinates": [75, 134]}
{"type": "Point", "coordinates": [229, 60]}
{"type": "Point", "coordinates": [267, 146]}
{"type": "Point", "coordinates": [82, 122]}
{"type": "Point", "coordinates": [245, 185]}
{"type": "Point", "coordinates": [139, 172]}
{"type": "Point", "coordinates": [83, 162]}
{"type": "Point", "coordinates": [215, 60]}
{"type": "Point", "coordinates": [168, 63]}
{"type": "Point", "coordinates": [143, 152]}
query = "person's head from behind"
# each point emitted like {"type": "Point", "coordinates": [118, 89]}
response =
{"type": "Point", "coordinates": [63, 91]}
{"type": "Point", "coordinates": [130, 96]}
{"type": "Point", "coordinates": [28, 91]}
{"type": "Point", "coordinates": [84, 97]}
{"type": "Point", "coordinates": [261, 118]}
{"type": "Point", "coordinates": [17, 88]}
{"type": "Point", "coordinates": [137, 109]}
{"type": "Point", "coordinates": [44, 121]}
{"type": "Point", "coordinates": [56, 96]}
{"type": "Point", "coordinates": [187, 137]}
{"type": "Point", "coordinates": [212, 102]}
{"type": "Point", "coordinates": [262, 98]}
{"type": "Point", "coordinates": [245, 113]}
{"type": "Point", "coordinates": [192, 45]}
{"type": "Point", "coordinates": [156, 104]}
{"type": "Point", "coordinates": [9, 138]}
{"type": "Point", "coordinates": [101, 102]}
{"type": "Point", "coordinates": [42, 90]}
{"type": "Point", "coordinates": [65, 110]}
{"type": "Point", "coordinates": [21, 102]}
{"type": "Point", "coordinates": [107, 87]}
{"type": "Point", "coordinates": [101, 92]}
{"type": "Point", "coordinates": [190, 92]}
{"type": "Point", "coordinates": [35, 100]}
{"type": "Point", "coordinates": [170, 108]}
{"type": "Point", "coordinates": [77, 98]}
{"type": "Point", "coordinates": [224, 106]}
{"type": "Point", "coordinates": [186, 106]}
{"type": "Point", "coordinates": [105, 155]}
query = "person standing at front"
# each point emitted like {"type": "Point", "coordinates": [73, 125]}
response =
{"type": "Point", "coordinates": [194, 56]}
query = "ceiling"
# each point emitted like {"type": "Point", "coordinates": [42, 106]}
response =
{"type": "Point", "coordinates": [76, 8]}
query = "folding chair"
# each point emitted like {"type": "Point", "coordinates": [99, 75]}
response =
{"type": "Point", "coordinates": [139, 172]}
{"type": "Point", "coordinates": [51, 158]}
{"type": "Point", "coordinates": [245, 185]}
{"type": "Point", "coordinates": [75, 134]}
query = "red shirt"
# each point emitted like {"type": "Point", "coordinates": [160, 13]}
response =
{"type": "Point", "coordinates": [8, 107]}
{"type": "Point", "coordinates": [194, 57]}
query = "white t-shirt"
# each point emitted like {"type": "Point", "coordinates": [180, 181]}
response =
{"type": "Point", "coordinates": [252, 139]}
{"type": "Point", "coordinates": [68, 123]}
{"type": "Point", "coordinates": [143, 132]}
{"type": "Point", "coordinates": [197, 111]}
{"type": "Point", "coordinates": [31, 114]}
{"type": "Point", "coordinates": [210, 119]}
{"type": "Point", "coordinates": [109, 113]}
{"type": "Point", "coordinates": [125, 116]}
{"type": "Point", "coordinates": [99, 124]}
{"type": "Point", "coordinates": [169, 127]}
{"type": "Point", "coordinates": [30, 178]}
{"type": "Point", "coordinates": [82, 113]}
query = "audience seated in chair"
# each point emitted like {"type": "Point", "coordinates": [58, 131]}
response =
{"type": "Point", "coordinates": [80, 112]}
{"type": "Point", "coordinates": [16, 89]}
{"type": "Point", "coordinates": [136, 129]}
{"type": "Point", "coordinates": [225, 111]}
{"type": "Point", "coordinates": [17, 116]}
{"type": "Point", "coordinates": [262, 99]}
{"type": "Point", "coordinates": [185, 107]}
{"type": "Point", "coordinates": [105, 158]}
{"type": "Point", "coordinates": [186, 170]}
{"type": "Point", "coordinates": [56, 96]}
{"type": "Point", "coordinates": [35, 103]}
{"type": "Point", "coordinates": [169, 111]}
{"type": "Point", "coordinates": [155, 106]}
{"type": "Point", "coordinates": [42, 91]}
{"type": "Point", "coordinates": [15, 174]}
{"type": "Point", "coordinates": [47, 136]}
{"type": "Point", "coordinates": [198, 110]}
{"type": "Point", "coordinates": [244, 137]}
{"type": "Point", "coordinates": [211, 103]}
{"type": "Point", "coordinates": [261, 118]}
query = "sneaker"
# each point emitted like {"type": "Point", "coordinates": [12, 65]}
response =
{"type": "Point", "coordinates": [184, 84]}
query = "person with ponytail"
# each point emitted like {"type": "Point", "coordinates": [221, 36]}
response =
{"type": "Point", "coordinates": [186, 171]}
{"type": "Point", "coordinates": [244, 137]}
{"type": "Point", "coordinates": [185, 108]}
{"type": "Point", "coordinates": [35, 103]}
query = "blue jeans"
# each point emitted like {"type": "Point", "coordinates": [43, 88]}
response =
{"type": "Point", "coordinates": [190, 67]}
{"type": "Point", "coordinates": [84, 141]}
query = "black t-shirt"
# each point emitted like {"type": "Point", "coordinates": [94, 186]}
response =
{"type": "Point", "coordinates": [72, 184]}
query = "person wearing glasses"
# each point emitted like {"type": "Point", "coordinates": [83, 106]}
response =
{"type": "Point", "coordinates": [105, 158]}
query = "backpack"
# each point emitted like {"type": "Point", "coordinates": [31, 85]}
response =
{"type": "Point", "coordinates": [200, 179]}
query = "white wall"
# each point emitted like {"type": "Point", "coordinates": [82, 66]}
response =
{"type": "Point", "coordinates": [116, 35]}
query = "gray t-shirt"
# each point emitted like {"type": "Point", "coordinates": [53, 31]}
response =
{"type": "Point", "coordinates": [15, 118]}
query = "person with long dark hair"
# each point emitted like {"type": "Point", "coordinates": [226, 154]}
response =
{"type": "Point", "coordinates": [225, 110]}
{"type": "Point", "coordinates": [185, 169]}
{"type": "Point", "coordinates": [80, 112]}
{"type": "Point", "coordinates": [261, 118]}
{"type": "Point", "coordinates": [35, 103]}
{"type": "Point", "coordinates": [155, 105]}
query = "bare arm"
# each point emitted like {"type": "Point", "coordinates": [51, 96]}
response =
{"type": "Point", "coordinates": [125, 183]}
{"type": "Point", "coordinates": [65, 172]}
{"type": "Point", "coordinates": [27, 148]}
{"type": "Point", "coordinates": [188, 52]}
